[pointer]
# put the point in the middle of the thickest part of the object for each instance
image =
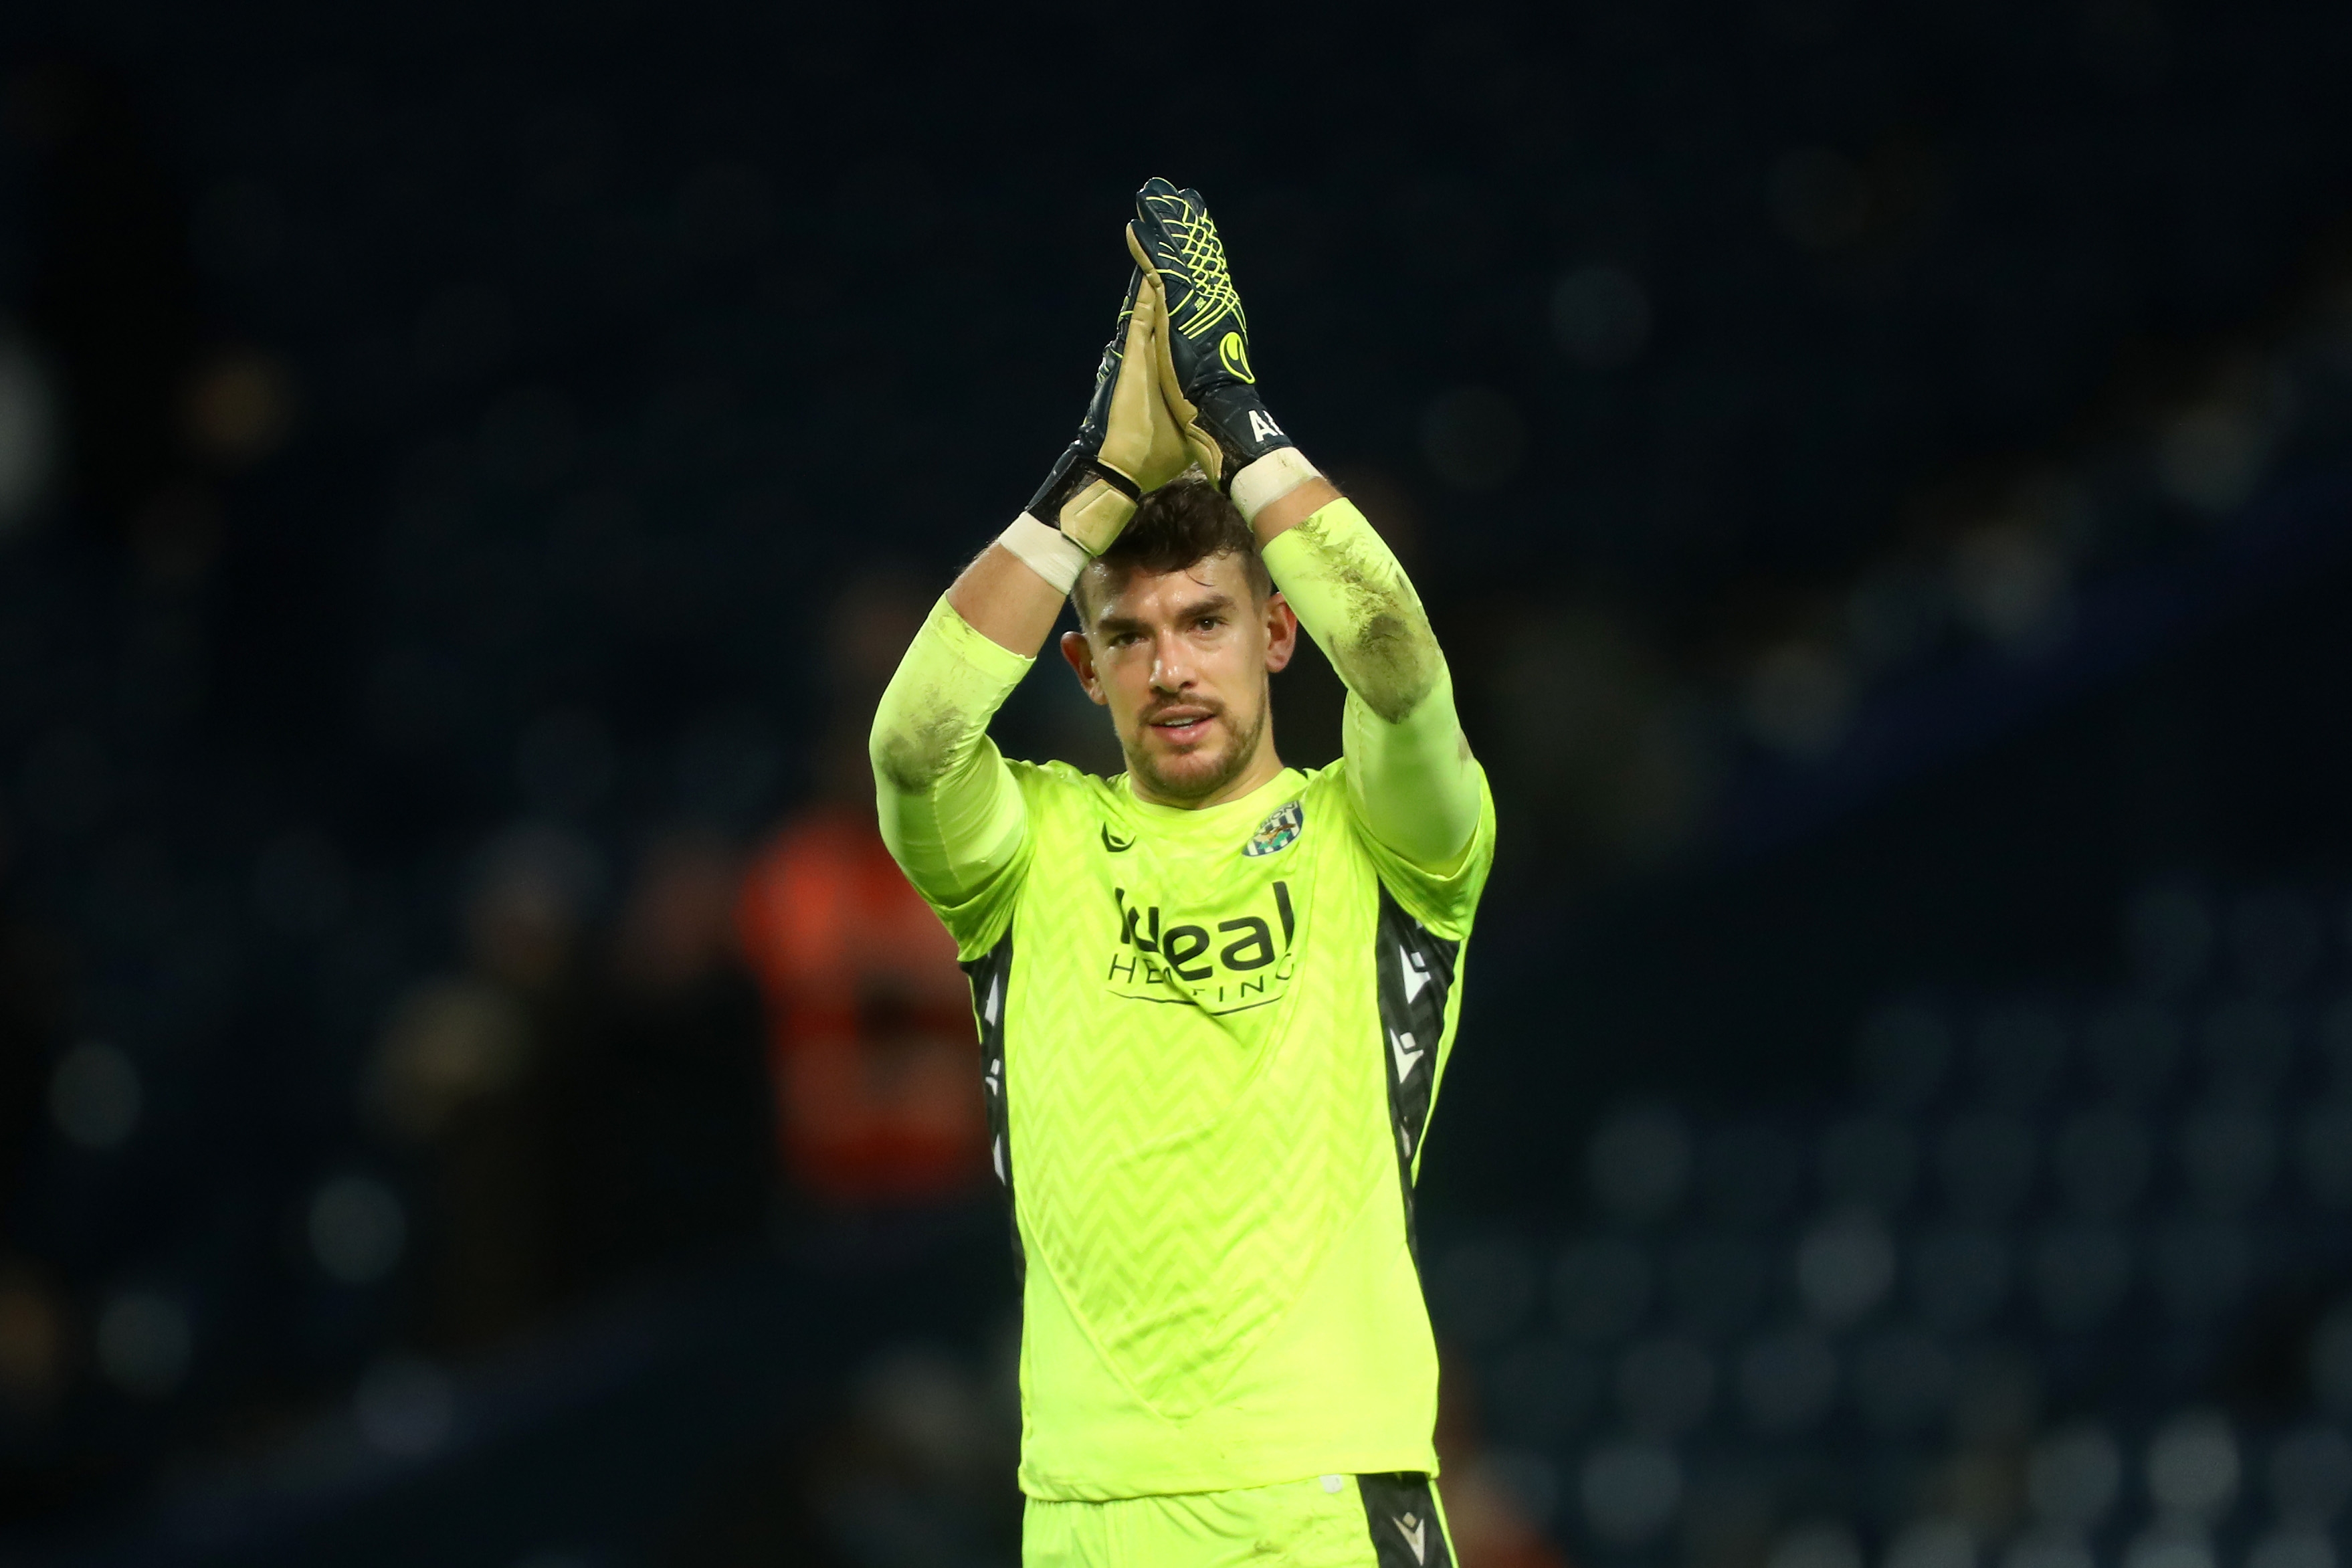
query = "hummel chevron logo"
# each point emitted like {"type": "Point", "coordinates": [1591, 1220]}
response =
{"type": "Point", "coordinates": [995, 995]}
{"type": "Point", "coordinates": [1407, 1052]}
{"type": "Point", "coordinates": [1116, 845]}
{"type": "Point", "coordinates": [1415, 1533]}
{"type": "Point", "coordinates": [1415, 972]}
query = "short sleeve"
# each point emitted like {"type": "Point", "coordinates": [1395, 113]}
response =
{"type": "Point", "coordinates": [978, 922]}
{"type": "Point", "coordinates": [1445, 899]}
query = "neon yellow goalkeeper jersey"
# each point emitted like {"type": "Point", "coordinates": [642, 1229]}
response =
{"type": "Point", "coordinates": [1210, 1043]}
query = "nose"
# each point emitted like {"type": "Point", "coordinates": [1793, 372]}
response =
{"type": "Point", "coordinates": [1172, 664]}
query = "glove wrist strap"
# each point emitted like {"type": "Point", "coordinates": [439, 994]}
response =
{"type": "Point", "coordinates": [1077, 471]}
{"type": "Point", "coordinates": [1244, 430]}
{"type": "Point", "coordinates": [1270, 479]}
{"type": "Point", "coordinates": [1049, 551]}
{"type": "Point", "coordinates": [1093, 518]}
{"type": "Point", "coordinates": [1114, 478]}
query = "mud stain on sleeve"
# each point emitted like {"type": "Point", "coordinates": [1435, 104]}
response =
{"type": "Point", "coordinates": [1382, 645]}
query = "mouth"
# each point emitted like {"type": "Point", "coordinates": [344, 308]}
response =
{"type": "Point", "coordinates": [1182, 726]}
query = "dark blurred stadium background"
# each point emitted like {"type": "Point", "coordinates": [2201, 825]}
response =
{"type": "Point", "coordinates": [1883, 476]}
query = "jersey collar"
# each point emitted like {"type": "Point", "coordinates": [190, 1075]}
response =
{"type": "Point", "coordinates": [1255, 804]}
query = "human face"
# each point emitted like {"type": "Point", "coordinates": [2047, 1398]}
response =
{"type": "Point", "coordinates": [1181, 659]}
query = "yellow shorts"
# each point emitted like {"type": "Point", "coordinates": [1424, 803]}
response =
{"type": "Point", "coordinates": [1329, 1521]}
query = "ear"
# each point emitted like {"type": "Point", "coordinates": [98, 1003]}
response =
{"type": "Point", "coordinates": [1281, 633]}
{"type": "Point", "coordinates": [1080, 653]}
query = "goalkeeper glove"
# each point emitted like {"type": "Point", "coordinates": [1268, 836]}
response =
{"type": "Point", "coordinates": [1129, 444]}
{"type": "Point", "coordinates": [1208, 382]}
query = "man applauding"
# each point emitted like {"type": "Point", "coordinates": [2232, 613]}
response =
{"type": "Point", "coordinates": [1215, 995]}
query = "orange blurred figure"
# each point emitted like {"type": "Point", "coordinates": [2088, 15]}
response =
{"type": "Point", "coordinates": [870, 1029]}
{"type": "Point", "coordinates": [869, 1020]}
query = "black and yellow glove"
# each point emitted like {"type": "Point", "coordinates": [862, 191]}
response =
{"type": "Point", "coordinates": [1213, 390]}
{"type": "Point", "coordinates": [1129, 444]}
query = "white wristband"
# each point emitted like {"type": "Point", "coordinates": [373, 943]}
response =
{"type": "Point", "coordinates": [1049, 551]}
{"type": "Point", "coordinates": [1270, 479]}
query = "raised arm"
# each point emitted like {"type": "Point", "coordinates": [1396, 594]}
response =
{"type": "Point", "coordinates": [1408, 766]}
{"type": "Point", "coordinates": [1415, 785]}
{"type": "Point", "coordinates": [950, 808]}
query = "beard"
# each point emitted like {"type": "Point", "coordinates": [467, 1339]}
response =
{"type": "Point", "coordinates": [1198, 776]}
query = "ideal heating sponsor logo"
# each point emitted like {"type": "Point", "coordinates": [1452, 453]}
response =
{"type": "Point", "coordinates": [1224, 963]}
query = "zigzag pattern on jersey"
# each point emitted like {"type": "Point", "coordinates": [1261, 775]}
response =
{"type": "Point", "coordinates": [1166, 1188]}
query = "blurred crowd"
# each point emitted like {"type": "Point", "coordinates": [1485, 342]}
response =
{"type": "Point", "coordinates": [464, 475]}
{"type": "Point", "coordinates": [2061, 1279]}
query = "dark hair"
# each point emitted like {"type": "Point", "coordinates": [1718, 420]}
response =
{"type": "Point", "coordinates": [1182, 522]}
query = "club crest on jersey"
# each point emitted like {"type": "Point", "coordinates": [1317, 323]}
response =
{"type": "Point", "coordinates": [1276, 831]}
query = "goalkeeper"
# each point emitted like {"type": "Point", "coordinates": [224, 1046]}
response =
{"type": "Point", "coordinates": [1215, 995]}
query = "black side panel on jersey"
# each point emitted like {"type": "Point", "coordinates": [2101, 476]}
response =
{"type": "Point", "coordinates": [1416, 976]}
{"type": "Point", "coordinates": [1402, 1514]}
{"type": "Point", "coordinates": [991, 976]}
